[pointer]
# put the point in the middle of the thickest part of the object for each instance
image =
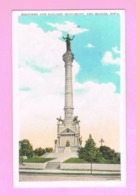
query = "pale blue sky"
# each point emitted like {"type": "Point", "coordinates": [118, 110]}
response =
{"type": "Point", "coordinates": [102, 34]}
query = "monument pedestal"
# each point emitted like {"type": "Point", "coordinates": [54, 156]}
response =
{"type": "Point", "coordinates": [67, 150]}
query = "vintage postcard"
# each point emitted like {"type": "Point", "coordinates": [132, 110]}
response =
{"type": "Point", "coordinates": [69, 110]}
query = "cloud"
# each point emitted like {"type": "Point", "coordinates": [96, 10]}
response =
{"type": "Point", "coordinates": [69, 27]}
{"type": "Point", "coordinates": [108, 59]}
{"type": "Point", "coordinates": [97, 105]}
{"type": "Point", "coordinates": [33, 50]}
{"type": "Point", "coordinates": [118, 73]}
{"type": "Point", "coordinates": [116, 50]}
{"type": "Point", "coordinates": [89, 45]}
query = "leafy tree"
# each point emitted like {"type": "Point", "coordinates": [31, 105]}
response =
{"type": "Point", "coordinates": [25, 148]}
{"type": "Point", "coordinates": [107, 153]}
{"type": "Point", "coordinates": [117, 158]}
{"type": "Point", "coordinates": [39, 151]}
{"type": "Point", "coordinates": [90, 152]}
{"type": "Point", "coordinates": [49, 149]}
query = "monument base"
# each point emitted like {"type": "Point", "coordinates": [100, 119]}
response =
{"type": "Point", "coordinates": [64, 149]}
{"type": "Point", "coordinates": [67, 150]}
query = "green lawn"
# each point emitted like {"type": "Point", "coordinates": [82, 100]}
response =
{"type": "Point", "coordinates": [107, 161]}
{"type": "Point", "coordinates": [75, 160]}
{"type": "Point", "coordinates": [37, 160]}
{"type": "Point", "coordinates": [78, 160]}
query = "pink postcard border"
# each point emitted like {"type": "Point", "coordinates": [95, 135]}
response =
{"type": "Point", "coordinates": [6, 130]}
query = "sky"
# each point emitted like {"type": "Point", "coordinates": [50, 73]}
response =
{"type": "Point", "coordinates": [96, 75]}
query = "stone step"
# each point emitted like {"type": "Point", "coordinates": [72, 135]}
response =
{"type": "Point", "coordinates": [60, 155]}
{"type": "Point", "coordinates": [52, 165]}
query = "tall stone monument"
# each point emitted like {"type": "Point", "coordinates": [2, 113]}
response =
{"type": "Point", "coordinates": [68, 129]}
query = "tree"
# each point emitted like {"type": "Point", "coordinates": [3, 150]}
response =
{"type": "Point", "coordinates": [48, 149]}
{"type": "Point", "coordinates": [25, 148]}
{"type": "Point", "coordinates": [117, 158]}
{"type": "Point", "coordinates": [39, 151]}
{"type": "Point", "coordinates": [107, 153]}
{"type": "Point", "coordinates": [90, 152]}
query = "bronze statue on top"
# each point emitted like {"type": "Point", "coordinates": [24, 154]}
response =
{"type": "Point", "coordinates": [68, 40]}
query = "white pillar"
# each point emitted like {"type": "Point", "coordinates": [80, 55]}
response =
{"type": "Point", "coordinates": [68, 59]}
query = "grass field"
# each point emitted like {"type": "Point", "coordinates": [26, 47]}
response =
{"type": "Point", "coordinates": [37, 160]}
{"type": "Point", "coordinates": [78, 160]}
{"type": "Point", "coordinates": [75, 160]}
